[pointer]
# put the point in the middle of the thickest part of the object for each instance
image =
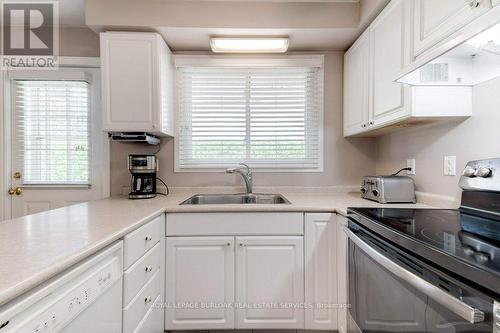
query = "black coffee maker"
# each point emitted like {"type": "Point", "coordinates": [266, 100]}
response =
{"type": "Point", "coordinates": [143, 181]}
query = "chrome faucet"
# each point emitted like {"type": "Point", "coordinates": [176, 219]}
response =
{"type": "Point", "coordinates": [246, 174]}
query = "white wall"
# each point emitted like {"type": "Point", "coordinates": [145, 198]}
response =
{"type": "Point", "coordinates": [346, 161]}
{"type": "Point", "coordinates": [475, 138]}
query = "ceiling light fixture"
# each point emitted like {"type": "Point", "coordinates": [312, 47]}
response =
{"type": "Point", "coordinates": [249, 45]}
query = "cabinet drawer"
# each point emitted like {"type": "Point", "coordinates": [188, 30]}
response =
{"type": "Point", "coordinates": [141, 304]}
{"type": "Point", "coordinates": [152, 321]}
{"type": "Point", "coordinates": [139, 273]}
{"type": "Point", "coordinates": [230, 224]}
{"type": "Point", "coordinates": [141, 240]}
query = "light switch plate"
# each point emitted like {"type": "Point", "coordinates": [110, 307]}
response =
{"type": "Point", "coordinates": [410, 163]}
{"type": "Point", "coordinates": [450, 166]}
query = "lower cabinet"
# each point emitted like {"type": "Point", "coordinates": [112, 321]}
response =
{"type": "Point", "coordinates": [143, 278]}
{"type": "Point", "coordinates": [269, 282]}
{"type": "Point", "coordinates": [342, 275]}
{"type": "Point", "coordinates": [210, 281]}
{"type": "Point", "coordinates": [321, 271]}
{"type": "Point", "coordinates": [199, 283]}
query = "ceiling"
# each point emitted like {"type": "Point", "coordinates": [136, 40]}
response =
{"type": "Point", "coordinates": [72, 13]}
{"type": "Point", "coordinates": [187, 25]}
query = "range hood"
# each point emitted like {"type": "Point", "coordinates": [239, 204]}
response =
{"type": "Point", "coordinates": [471, 56]}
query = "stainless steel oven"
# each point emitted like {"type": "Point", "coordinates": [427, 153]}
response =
{"type": "Point", "coordinates": [391, 290]}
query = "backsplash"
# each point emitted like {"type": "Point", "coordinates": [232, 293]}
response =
{"type": "Point", "coordinates": [475, 138]}
{"type": "Point", "coordinates": [345, 161]}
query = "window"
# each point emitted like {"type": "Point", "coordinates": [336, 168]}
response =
{"type": "Point", "coordinates": [267, 117]}
{"type": "Point", "coordinates": [52, 129]}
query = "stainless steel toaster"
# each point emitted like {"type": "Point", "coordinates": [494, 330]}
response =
{"type": "Point", "coordinates": [389, 189]}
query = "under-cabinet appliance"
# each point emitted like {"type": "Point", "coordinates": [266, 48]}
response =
{"type": "Point", "coordinates": [135, 137]}
{"type": "Point", "coordinates": [471, 57]}
{"type": "Point", "coordinates": [143, 176]}
{"type": "Point", "coordinates": [388, 189]}
{"type": "Point", "coordinates": [87, 298]}
{"type": "Point", "coordinates": [429, 270]}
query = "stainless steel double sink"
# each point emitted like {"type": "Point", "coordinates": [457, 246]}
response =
{"type": "Point", "coordinates": [241, 198]}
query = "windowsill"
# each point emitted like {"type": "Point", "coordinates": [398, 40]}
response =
{"type": "Point", "coordinates": [55, 186]}
{"type": "Point", "coordinates": [254, 170]}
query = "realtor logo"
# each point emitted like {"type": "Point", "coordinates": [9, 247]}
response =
{"type": "Point", "coordinates": [30, 34]}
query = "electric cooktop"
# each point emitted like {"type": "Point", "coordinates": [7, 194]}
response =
{"type": "Point", "coordinates": [464, 244]}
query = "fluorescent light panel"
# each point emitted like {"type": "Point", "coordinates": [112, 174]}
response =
{"type": "Point", "coordinates": [248, 45]}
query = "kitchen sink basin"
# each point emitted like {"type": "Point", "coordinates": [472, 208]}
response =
{"type": "Point", "coordinates": [225, 199]}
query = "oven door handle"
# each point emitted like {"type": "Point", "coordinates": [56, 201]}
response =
{"type": "Point", "coordinates": [452, 303]}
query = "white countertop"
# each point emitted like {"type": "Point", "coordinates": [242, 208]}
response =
{"type": "Point", "coordinates": [37, 247]}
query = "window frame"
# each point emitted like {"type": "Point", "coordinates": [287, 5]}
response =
{"type": "Point", "coordinates": [258, 62]}
{"type": "Point", "coordinates": [96, 136]}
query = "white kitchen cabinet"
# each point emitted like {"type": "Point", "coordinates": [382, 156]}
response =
{"type": "Point", "coordinates": [200, 280]}
{"type": "Point", "coordinates": [389, 100]}
{"type": "Point", "coordinates": [321, 271]}
{"type": "Point", "coordinates": [137, 88]}
{"type": "Point", "coordinates": [394, 105]}
{"type": "Point", "coordinates": [342, 272]}
{"type": "Point", "coordinates": [356, 86]}
{"type": "Point", "coordinates": [269, 282]}
{"type": "Point", "coordinates": [143, 278]}
{"type": "Point", "coordinates": [435, 20]}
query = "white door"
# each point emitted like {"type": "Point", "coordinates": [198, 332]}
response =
{"type": "Point", "coordinates": [321, 271]}
{"type": "Point", "coordinates": [388, 56]}
{"type": "Point", "coordinates": [356, 86]}
{"type": "Point", "coordinates": [269, 282]}
{"type": "Point", "coordinates": [434, 20]}
{"type": "Point", "coordinates": [58, 152]}
{"type": "Point", "coordinates": [199, 283]}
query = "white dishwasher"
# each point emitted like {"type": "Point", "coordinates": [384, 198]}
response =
{"type": "Point", "coordinates": [86, 298]}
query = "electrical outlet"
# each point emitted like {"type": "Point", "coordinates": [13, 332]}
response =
{"type": "Point", "coordinates": [450, 166]}
{"type": "Point", "coordinates": [410, 163]}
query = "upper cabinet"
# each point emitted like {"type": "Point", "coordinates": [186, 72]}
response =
{"type": "Point", "coordinates": [388, 105]}
{"type": "Point", "coordinates": [388, 54]}
{"type": "Point", "coordinates": [356, 85]}
{"type": "Point", "coordinates": [137, 83]}
{"type": "Point", "coordinates": [434, 20]}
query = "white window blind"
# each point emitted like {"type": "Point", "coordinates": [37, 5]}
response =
{"type": "Point", "coordinates": [265, 117]}
{"type": "Point", "coordinates": [52, 128]}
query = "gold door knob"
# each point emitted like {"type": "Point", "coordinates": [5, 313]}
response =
{"type": "Point", "coordinates": [11, 191]}
{"type": "Point", "coordinates": [18, 191]}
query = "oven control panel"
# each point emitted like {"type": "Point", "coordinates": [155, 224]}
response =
{"type": "Point", "coordinates": [481, 175]}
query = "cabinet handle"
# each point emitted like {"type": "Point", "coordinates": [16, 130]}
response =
{"type": "Point", "coordinates": [149, 238]}
{"type": "Point", "coordinates": [148, 269]}
{"type": "Point", "coordinates": [147, 299]}
{"type": "Point", "coordinates": [241, 244]}
{"type": "Point", "coordinates": [228, 244]}
{"type": "Point", "coordinates": [371, 122]}
{"type": "Point", "coordinates": [364, 125]}
{"type": "Point", "coordinates": [473, 3]}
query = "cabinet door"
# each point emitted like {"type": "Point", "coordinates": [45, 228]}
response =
{"type": "Point", "coordinates": [199, 282]}
{"type": "Point", "coordinates": [269, 282]}
{"type": "Point", "coordinates": [342, 265]}
{"type": "Point", "coordinates": [321, 272]}
{"type": "Point", "coordinates": [356, 68]}
{"type": "Point", "coordinates": [130, 75]}
{"type": "Point", "coordinates": [387, 38]}
{"type": "Point", "coordinates": [434, 20]}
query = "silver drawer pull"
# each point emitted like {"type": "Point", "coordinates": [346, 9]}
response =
{"type": "Point", "coordinates": [148, 269]}
{"type": "Point", "coordinates": [149, 238]}
{"type": "Point", "coordinates": [452, 303]}
{"type": "Point", "coordinates": [147, 299]}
